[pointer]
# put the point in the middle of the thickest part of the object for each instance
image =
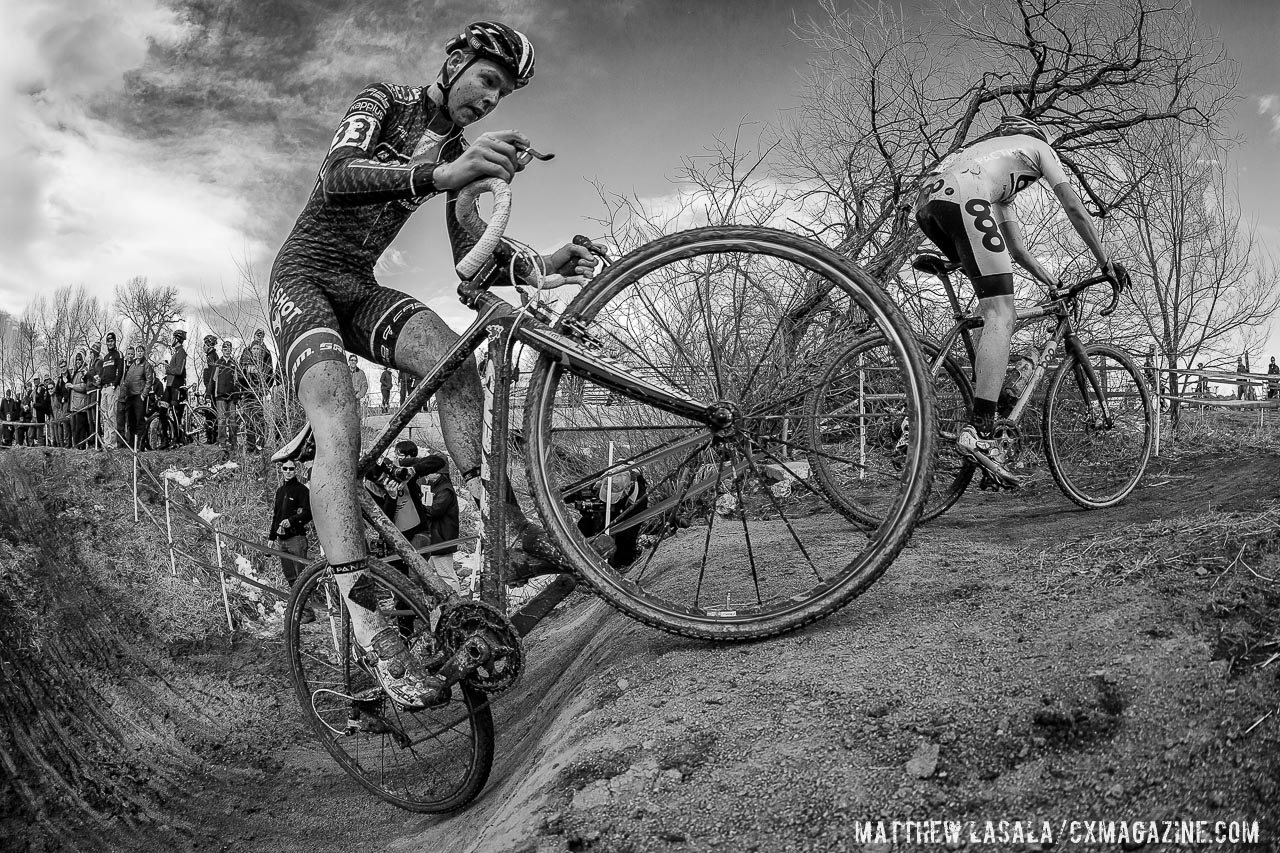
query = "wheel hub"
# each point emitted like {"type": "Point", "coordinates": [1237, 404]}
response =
{"type": "Point", "coordinates": [723, 417]}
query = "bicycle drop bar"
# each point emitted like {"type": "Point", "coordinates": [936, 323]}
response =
{"type": "Point", "coordinates": [1085, 284]}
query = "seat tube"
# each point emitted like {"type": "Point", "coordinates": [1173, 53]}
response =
{"type": "Point", "coordinates": [496, 383]}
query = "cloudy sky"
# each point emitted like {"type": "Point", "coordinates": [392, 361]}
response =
{"type": "Point", "coordinates": [178, 139]}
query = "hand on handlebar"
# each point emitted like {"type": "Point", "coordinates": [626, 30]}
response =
{"type": "Point", "coordinates": [496, 154]}
{"type": "Point", "coordinates": [573, 262]}
{"type": "Point", "coordinates": [1119, 278]}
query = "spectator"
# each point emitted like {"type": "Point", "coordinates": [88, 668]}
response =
{"type": "Point", "coordinates": [385, 382]}
{"type": "Point", "coordinates": [629, 495]}
{"type": "Point", "coordinates": [110, 375]}
{"type": "Point", "coordinates": [406, 385]}
{"type": "Point", "coordinates": [256, 374]}
{"type": "Point", "coordinates": [225, 396]}
{"type": "Point", "coordinates": [138, 378]}
{"type": "Point", "coordinates": [360, 383]}
{"type": "Point", "coordinates": [1241, 384]}
{"type": "Point", "coordinates": [1202, 382]}
{"type": "Point", "coordinates": [158, 401]}
{"type": "Point", "coordinates": [62, 407]}
{"type": "Point", "coordinates": [210, 361]}
{"type": "Point", "coordinates": [44, 408]}
{"type": "Point", "coordinates": [8, 417]}
{"type": "Point", "coordinates": [26, 415]}
{"type": "Point", "coordinates": [289, 520]}
{"type": "Point", "coordinates": [81, 386]}
{"type": "Point", "coordinates": [1273, 385]}
{"type": "Point", "coordinates": [428, 523]}
{"type": "Point", "coordinates": [92, 375]}
{"type": "Point", "coordinates": [175, 381]}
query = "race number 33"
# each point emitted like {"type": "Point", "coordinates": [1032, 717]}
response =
{"type": "Point", "coordinates": [354, 130]}
{"type": "Point", "coordinates": [985, 223]}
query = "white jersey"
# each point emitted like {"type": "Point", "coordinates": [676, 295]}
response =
{"type": "Point", "coordinates": [995, 169]}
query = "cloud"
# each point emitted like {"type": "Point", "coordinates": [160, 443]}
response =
{"type": "Point", "coordinates": [1269, 108]}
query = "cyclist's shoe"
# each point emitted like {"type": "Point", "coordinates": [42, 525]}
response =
{"type": "Point", "coordinates": [301, 449]}
{"type": "Point", "coordinates": [401, 675]}
{"type": "Point", "coordinates": [989, 455]}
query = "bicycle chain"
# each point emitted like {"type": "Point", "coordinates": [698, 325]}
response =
{"type": "Point", "coordinates": [468, 618]}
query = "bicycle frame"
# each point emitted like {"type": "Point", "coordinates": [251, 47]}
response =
{"type": "Point", "coordinates": [1064, 332]}
{"type": "Point", "coordinates": [501, 323]}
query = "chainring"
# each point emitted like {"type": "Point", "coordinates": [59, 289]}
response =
{"type": "Point", "coordinates": [1008, 437]}
{"type": "Point", "coordinates": [468, 618]}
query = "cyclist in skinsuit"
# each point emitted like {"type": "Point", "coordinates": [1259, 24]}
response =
{"type": "Point", "coordinates": [396, 147]}
{"type": "Point", "coordinates": [966, 208]}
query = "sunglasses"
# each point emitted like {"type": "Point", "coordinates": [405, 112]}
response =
{"type": "Point", "coordinates": [288, 467]}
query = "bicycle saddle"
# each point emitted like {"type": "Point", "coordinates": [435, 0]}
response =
{"type": "Point", "coordinates": [301, 449]}
{"type": "Point", "coordinates": [931, 264]}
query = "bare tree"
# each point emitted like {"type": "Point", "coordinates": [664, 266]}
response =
{"type": "Point", "coordinates": [149, 311]}
{"type": "Point", "coordinates": [1203, 281]}
{"type": "Point", "coordinates": [887, 100]}
{"type": "Point", "coordinates": [66, 320]}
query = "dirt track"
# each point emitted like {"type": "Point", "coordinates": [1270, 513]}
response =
{"type": "Point", "coordinates": [1044, 694]}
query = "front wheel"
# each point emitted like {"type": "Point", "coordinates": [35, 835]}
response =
{"type": "Point", "coordinates": [735, 538]}
{"type": "Point", "coordinates": [1098, 427]}
{"type": "Point", "coordinates": [434, 760]}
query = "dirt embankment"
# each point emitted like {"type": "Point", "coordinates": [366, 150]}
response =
{"type": "Point", "coordinates": [991, 674]}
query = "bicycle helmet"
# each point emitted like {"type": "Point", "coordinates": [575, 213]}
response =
{"type": "Point", "coordinates": [498, 42]}
{"type": "Point", "coordinates": [210, 341]}
{"type": "Point", "coordinates": [179, 335]}
{"type": "Point", "coordinates": [1010, 125]}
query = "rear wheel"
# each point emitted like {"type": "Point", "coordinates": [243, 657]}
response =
{"type": "Point", "coordinates": [159, 432]}
{"type": "Point", "coordinates": [1096, 453]}
{"type": "Point", "coordinates": [858, 410]}
{"type": "Point", "coordinates": [737, 538]}
{"type": "Point", "coordinates": [433, 760]}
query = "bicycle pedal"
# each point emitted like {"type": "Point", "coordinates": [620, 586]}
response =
{"type": "Point", "coordinates": [994, 477]}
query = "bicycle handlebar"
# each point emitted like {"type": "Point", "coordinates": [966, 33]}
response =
{"type": "Point", "coordinates": [1117, 287]}
{"type": "Point", "coordinates": [470, 219]}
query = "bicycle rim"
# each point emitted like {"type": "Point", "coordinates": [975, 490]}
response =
{"type": "Point", "coordinates": [736, 540]}
{"type": "Point", "coordinates": [859, 440]}
{"type": "Point", "coordinates": [434, 760]}
{"type": "Point", "coordinates": [1095, 463]}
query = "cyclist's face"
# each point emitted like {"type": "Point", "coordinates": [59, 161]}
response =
{"type": "Point", "coordinates": [477, 90]}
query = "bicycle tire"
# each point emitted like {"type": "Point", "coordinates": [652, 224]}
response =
{"type": "Point", "coordinates": [752, 476]}
{"type": "Point", "coordinates": [158, 433]}
{"type": "Point", "coordinates": [329, 645]}
{"type": "Point", "coordinates": [1093, 474]}
{"type": "Point", "coordinates": [858, 396]}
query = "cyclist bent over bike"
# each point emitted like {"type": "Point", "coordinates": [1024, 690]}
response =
{"type": "Point", "coordinates": [966, 208]}
{"type": "Point", "coordinates": [395, 147]}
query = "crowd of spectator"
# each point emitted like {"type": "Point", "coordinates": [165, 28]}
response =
{"type": "Point", "coordinates": [107, 397]}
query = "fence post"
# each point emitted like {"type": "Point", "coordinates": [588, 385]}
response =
{"type": "Point", "coordinates": [135, 479]}
{"type": "Point", "coordinates": [1173, 379]}
{"type": "Point", "coordinates": [168, 523]}
{"type": "Point", "coordinates": [222, 579]}
{"type": "Point", "coordinates": [608, 490]}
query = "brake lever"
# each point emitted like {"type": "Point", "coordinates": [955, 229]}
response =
{"type": "Point", "coordinates": [586, 243]}
{"type": "Point", "coordinates": [526, 155]}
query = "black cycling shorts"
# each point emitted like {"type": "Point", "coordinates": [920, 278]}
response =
{"type": "Point", "coordinates": [317, 317]}
{"type": "Point", "coordinates": [989, 268]}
